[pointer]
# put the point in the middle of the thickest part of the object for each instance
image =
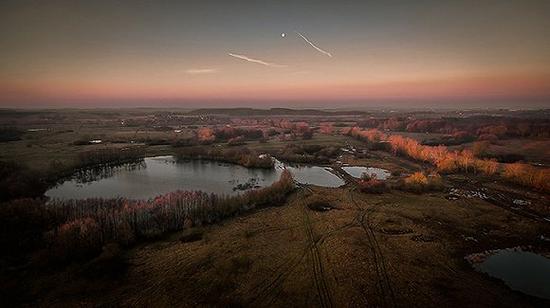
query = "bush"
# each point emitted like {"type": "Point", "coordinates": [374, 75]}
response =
{"type": "Point", "coordinates": [480, 148]}
{"type": "Point", "coordinates": [76, 239]}
{"type": "Point", "coordinates": [528, 175]}
{"type": "Point", "coordinates": [372, 186]}
{"type": "Point", "coordinates": [418, 182]}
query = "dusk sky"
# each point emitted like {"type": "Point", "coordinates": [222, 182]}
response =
{"type": "Point", "coordinates": [233, 53]}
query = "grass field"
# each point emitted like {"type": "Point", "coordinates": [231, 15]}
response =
{"type": "Point", "coordinates": [380, 250]}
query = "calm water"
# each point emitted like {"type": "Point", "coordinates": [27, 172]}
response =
{"type": "Point", "coordinates": [315, 175]}
{"type": "Point", "coordinates": [357, 172]}
{"type": "Point", "coordinates": [522, 271]}
{"type": "Point", "coordinates": [159, 175]}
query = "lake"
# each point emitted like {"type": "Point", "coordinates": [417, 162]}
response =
{"type": "Point", "coordinates": [162, 174]}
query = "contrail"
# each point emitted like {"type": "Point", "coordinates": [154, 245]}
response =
{"type": "Point", "coordinates": [198, 71]}
{"type": "Point", "coordinates": [313, 45]}
{"type": "Point", "coordinates": [255, 60]}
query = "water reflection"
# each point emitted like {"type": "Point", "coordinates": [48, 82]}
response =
{"type": "Point", "coordinates": [358, 171]}
{"type": "Point", "coordinates": [159, 175]}
{"type": "Point", "coordinates": [521, 270]}
{"type": "Point", "coordinates": [102, 172]}
{"type": "Point", "coordinates": [315, 175]}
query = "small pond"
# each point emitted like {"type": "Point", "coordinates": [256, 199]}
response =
{"type": "Point", "coordinates": [358, 171]}
{"type": "Point", "coordinates": [522, 271]}
{"type": "Point", "coordinates": [315, 175]}
{"type": "Point", "coordinates": [159, 175]}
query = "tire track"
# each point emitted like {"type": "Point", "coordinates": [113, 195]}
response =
{"type": "Point", "coordinates": [323, 290]}
{"type": "Point", "coordinates": [384, 285]}
{"type": "Point", "coordinates": [268, 290]}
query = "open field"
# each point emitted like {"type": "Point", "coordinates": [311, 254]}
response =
{"type": "Point", "coordinates": [379, 250]}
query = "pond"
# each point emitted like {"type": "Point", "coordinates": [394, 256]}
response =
{"type": "Point", "coordinates": [358, 171]}
{"type": "Point", "coordinates": [315, 175]}
{"type": "Point", "coordinates": [162, 174]}
{"type": "Point", "coordinates": [522, 271]}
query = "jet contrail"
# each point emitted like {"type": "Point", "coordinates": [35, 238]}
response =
{"type": "Point", "coordinates": [313, 45]}
{"type": "Point", "coordinates": [255, 60]}
{"type": "Point", "coordinates": [198, 71]}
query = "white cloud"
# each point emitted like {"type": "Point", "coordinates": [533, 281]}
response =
{"type": "Point", "coordinates": [242, 57]}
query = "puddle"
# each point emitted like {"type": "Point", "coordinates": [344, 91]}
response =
{"type": "Point", "coordinates": [522, 271]}
{"type": "Point", "coordinates": [358, 171]}
{"type": "Point", "coordinates": [320, 206]}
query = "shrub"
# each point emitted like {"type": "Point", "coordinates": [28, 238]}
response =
{"type": "Point", "coordinates": [205, 135]}
{"type": "Point", "coordinates": [480, 148]}
{"type": "Point", "coordinates": [372, 185]}
{"type": "Point", "coordinates": [77, 238]}
{"type": "Point", "coordinates": [487, 167]}
{"type": "Point", "coordinates": [528, 175]}
{"type": "Point", "coordinates": [418, 182]}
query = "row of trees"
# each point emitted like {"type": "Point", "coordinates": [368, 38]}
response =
{"type": "Point", "coordinates": [79, 228]}
{"type": "Point", "coordinates": [478, 126]}
{"type": "Point", "coordinates": [307, 153]}
{"type": "Point", "coordinates": [527, 175]}
{"type": "Point", "coordinates": [447, 161]}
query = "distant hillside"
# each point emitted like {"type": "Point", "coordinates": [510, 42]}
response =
{"type": "Point", "coordinates": [272, 111]}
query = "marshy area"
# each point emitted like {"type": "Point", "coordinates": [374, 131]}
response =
{"type": "Point", "coordinates": [142, 208]}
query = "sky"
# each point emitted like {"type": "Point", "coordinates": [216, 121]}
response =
{"type": "Point", "coordinates": [333, 54]}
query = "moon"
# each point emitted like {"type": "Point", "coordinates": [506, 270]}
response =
{"type": "Point", "coordinates": [283, 34]}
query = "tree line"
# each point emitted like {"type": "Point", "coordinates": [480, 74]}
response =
{"type": "Point", "coordinates": [447, 161]}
